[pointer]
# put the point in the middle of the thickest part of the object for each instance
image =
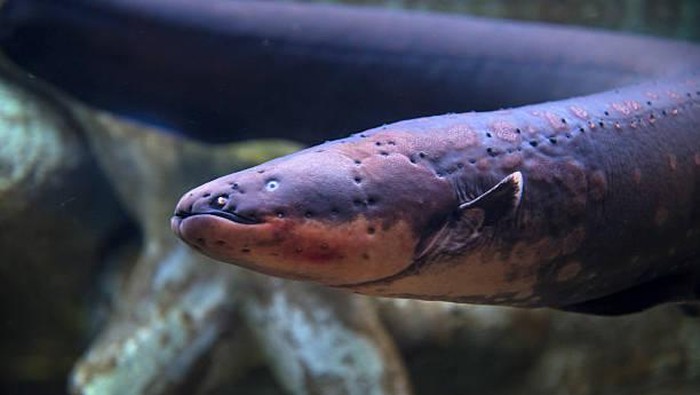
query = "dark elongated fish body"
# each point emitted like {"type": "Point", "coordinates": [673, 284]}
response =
{"type": "Point", "coordinates": [589, 204]}
{"type": "Point", "coordinates": [221, 70]}
{"type": "Point", "coordinates": [606, 197]}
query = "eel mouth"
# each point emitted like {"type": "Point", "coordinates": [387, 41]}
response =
{"type": "Point", "coordinates": [179, 216]}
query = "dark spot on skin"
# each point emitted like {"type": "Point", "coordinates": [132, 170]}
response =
{"type": "Point", "coordinates": [601, 124]}
{"type": "Point", "coordinates": [363, 135]}
{"type": "Point", "coordinates": [201, 241]}
{"type": "Point", "coordinates": [490, 151]}
{"type": "Point", "coordinates": [488, 135]}
{"type": "Point", "coordinates": [421, 155]}
{"type": "Point", "coordinates": [582, 130]}
{"type": "Point", "coordinates": [371, 230]}
{"type": "Point", "coordinates": [308, 214]}
{"type": "Point", "coordinates": [384, 153]}
{"type": "Point", "coordinates": [245, 250]}
{"type": "Point", "coordinates": [472, 161]}
{"type": "Point", "coordinates": [378, 143]}
{"type": "Point", "coordinates": [563, 120]}
{"type": "Point", "coordinates": [220, 242]}
{"type": "Point", "coordinates": [391, 143]}
{"type": "Point", "coordinates": [664, 113]}
{"type": "Point", "coordinates": [412, 159]}
{"type": "Point", "coordinates": [358, 162]}
{"type": "Point", "coordinates": [335, 211]}
{"type": "Point", "coordinates": [552, 140]}
{"type": "Point", "coordinates": [371, 201]}
{"type": "Point", "coordinates": [206, 195]}
{"type": "Point", "coordinates": [533, 143]}
{"type": "Point", "coordinates": [358, 202]}
{"type": "Point", "coordinates": [358, 180]}
{"type": "Point", "coordinates": [365, 256]}
{"type": "Point", "coordinates": [648, 103]}
{"type": "Point", "coordinates": [460, 165]}
{"type": "Point", "coordinates": [261, 171]}
{"type": "Point", "coordinates": [607, 113]}
{"type": "Point", "coordinates": [518, 131]}
{"type": "Point", "coordinates": [234, 186]}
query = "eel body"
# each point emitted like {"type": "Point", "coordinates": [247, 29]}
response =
{"type": "Point", "coordinates": [230, 70]}
{"type": "Point", "coordinates": [590, 203]}
{"type": "Point", "coordinates": [587, 201]}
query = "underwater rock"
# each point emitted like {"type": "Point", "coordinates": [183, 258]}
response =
{"type": "Point", "coordinates": [323, 341]}
{"type": "Point", "coordinates": [59, 220]}
{"type": "Point", "coordinates": [464, 349]}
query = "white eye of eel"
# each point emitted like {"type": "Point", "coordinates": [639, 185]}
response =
{"type": "Point", "coordinates": [272, 185]}
{"type": "Point", "coordinates": [221, 201]}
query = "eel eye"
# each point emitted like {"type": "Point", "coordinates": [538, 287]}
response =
{"type": "Point", "coordinates": [272, 185]}
{"type": "Point", "coordinates": [221, 201]}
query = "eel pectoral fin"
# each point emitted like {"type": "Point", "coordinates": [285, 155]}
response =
{"type": "Point", "coordinates": [463, 228]}
{"type": "Point", "coordinates": [501, 200]}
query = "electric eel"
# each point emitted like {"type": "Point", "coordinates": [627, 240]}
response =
{"type": "Point", "coordinates": [583, 194]}
{"type": "Point", "coordinates": [588, 204]}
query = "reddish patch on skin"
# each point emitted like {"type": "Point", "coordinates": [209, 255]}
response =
{"type": "Point", "coordinates": [672, 162]}
{"type": "Point", "coordinates": [505, 131]}
{"type": "Point", "coordinates": [511, 161]}
{"type": "Point", "coordinates": [598, 184]}
{"type": "Point", "coordinates": [661, 216]}
{"type": "Point", "coordinates": [626, 107]}
{"type": "Point", "coordinates": [483, 164]}
{"type": "Point", "coordinates": [569, 271]}
{"type": "Point", "coordinates": [652, 95]}
{"type": "Point", "coordinates": [674, 95]}
{"type": "Point", "coordinates": [305, 249]}
{"type": "Point", "coordinates": [570, 174]}
{"type": "Point", "coordinates": [579, 112]}
{"type": "Point", "coordinates": [637, 176]}
{"type": "Point", "coordinates": [553, 120]}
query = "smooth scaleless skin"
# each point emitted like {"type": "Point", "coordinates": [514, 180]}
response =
{"type": "Point", "coordinates": [589, 204]}
{"type": "Point", "coordinates": [556, 204]}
